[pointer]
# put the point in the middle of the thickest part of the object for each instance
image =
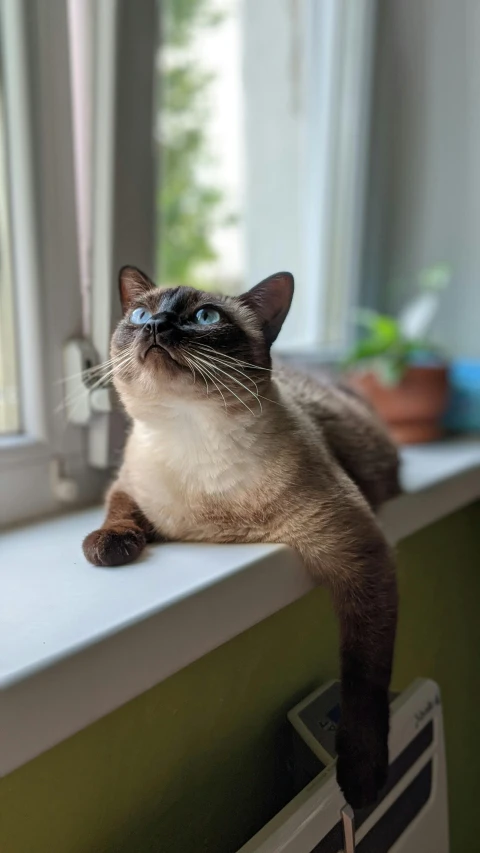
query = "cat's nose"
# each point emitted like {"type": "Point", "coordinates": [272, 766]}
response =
{"type": "Point", "coordinates": [159, 323]}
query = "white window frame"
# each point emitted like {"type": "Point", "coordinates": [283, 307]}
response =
{"type": "Point", "coordinates": [308, 75]}
{"type": "Point", "coordinates": [75, 113]}
{"type": "Point", "coordinates": [124, 166]}
{"type": "Point", "coordinates": [43, 467]}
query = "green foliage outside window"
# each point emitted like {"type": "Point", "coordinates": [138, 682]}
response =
{"type": "Point", "coordinates": [189, 208]}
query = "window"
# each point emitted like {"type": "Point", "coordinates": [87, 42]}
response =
{"type": "Point", "coordinates": [261, 134]}
{"type": "Point", "coordinates": [199, 133]}
{"type": "Point", "coordinates": [42, 457]}
{"type": "Point", "coordinates": [258, 114]}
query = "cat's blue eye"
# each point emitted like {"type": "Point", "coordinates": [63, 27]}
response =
{"type": "Point", "coordinates": [206, 316]}
{"type": "Point", "coordinates": [140, 316]}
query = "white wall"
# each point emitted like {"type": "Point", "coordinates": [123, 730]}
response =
{"type": "Point", "coordinates": [425, 162]}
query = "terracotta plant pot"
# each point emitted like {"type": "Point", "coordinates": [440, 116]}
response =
{"type": "Point", "coordinates": [412, 409]}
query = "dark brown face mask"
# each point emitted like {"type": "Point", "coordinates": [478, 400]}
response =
{"type": "Point", "coordinates": [177, 324]}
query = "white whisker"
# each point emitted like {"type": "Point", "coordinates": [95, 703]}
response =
{"type": "Point", "coordinates": [237, 370]}
{"type": "Point", "coordinates": [216, 370]}
{"type": "Point", "coordinates": [73, 399]}
{"type": "Point", "coordinates": [249, 391]}
{"type": "Point", "coordinates": [191, 362]}
{"type": "Point", "coordinates": [192, 370]}
{"type": "Point", "coordinates": [90, 371]}
{"type": "Point", "coordinates": [232, 358]}
{"type": "Point", "coordinates": [212, 379]}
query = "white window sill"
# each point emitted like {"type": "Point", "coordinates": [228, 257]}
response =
{"type": "Point", "coordinates": [78, 642]}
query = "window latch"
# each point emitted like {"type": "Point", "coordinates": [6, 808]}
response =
{"type": "Point", "coordinates": [87, 393]}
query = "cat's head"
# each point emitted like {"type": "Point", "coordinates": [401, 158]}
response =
{"type": "Point", "coordinates": [184, 343]}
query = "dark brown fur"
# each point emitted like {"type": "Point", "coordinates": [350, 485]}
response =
{"type": "Point", "coordinates": [123, 536]}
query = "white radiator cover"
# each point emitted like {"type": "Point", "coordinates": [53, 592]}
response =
{"type": "Point", "coordinates": [412, 814]}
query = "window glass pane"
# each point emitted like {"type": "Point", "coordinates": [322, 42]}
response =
{"type": "Point", "coordinates": [261, 148]}
{"type": "Point", "coordinates": [199, 131]}
{"type": "Point", "coordinates": [9, 406]}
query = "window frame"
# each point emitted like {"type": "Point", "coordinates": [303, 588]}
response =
{"type": "Point", "coordinates": [48, 455]}
{"type": "Point", "coordinates": [23, 236]}
{"type": "Point", "coordinates": [323, 62]}
{"type": "Point", "coordinates": [343, 101]}
{"type": "Point", "coordinates": [124, 183]}
{"type": "Point", "coordinates": [9, 408]}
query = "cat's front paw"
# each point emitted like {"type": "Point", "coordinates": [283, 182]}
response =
{"type": "Point", "coordinates": [111, 547]}
{"type": "Point", "coordinates": [362, 766]}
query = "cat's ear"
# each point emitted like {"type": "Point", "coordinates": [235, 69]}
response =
{"type": "Point", "coordinates": [271, 300]}
{"type": "Point", "coordinates": [132, 284]}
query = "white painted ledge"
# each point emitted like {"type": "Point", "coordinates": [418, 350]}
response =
{"type": "Point", "coordinates": [77, 642]}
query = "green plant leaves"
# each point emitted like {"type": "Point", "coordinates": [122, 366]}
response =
{"type": "Point", "coordinates": [384, 334]}
{"type": "Point", "coordinates": [435, 278]}
{"type": "Point", "coordinates": [389, 345]}
{"type": "Point", "coordinates": [387, 348]}
{"type": "Point", "coordinates": [190, 206]}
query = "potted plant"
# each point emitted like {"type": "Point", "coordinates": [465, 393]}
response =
{"type": "Point", "coordinates": [398, 369]}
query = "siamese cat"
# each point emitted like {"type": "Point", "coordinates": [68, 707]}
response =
{"type": "Point", "coordinates": [225, 447]}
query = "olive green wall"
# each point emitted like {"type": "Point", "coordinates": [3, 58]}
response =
{"type": "Point", "coordinates": [196, 765]}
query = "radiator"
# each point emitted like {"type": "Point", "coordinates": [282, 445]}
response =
{"type": "Point", "coordinates": [411, 814]}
